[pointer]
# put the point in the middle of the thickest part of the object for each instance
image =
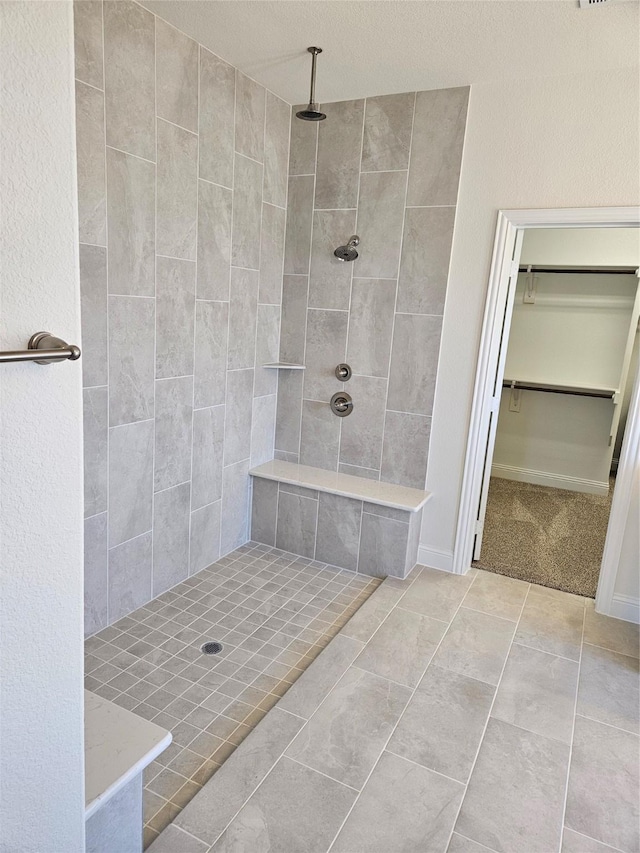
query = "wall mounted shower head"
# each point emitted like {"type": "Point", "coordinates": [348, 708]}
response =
{"type": "Point", "coordinates": [312, 113]}
{"type": "Point", "coordinates": [348, 252]}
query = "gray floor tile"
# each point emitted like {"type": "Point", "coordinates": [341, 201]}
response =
{"type": "Point", "coordinates": [346, 735]}
{"type": "Point", "coordinates": [436, 594]}
{"type": "Point", "coordinates": [614, 634]}
{"type": "Point", "coordinates": [370, 616]}
{"type": "Point", "coordinates": [608, 690]}
{"type": "Point", "coordinates": [538, 692]}
{"type": "Point", "coordinates": [552, 624]}
{"type": "Point", "coordinates": [460, 844]}
{"type": "Point", "coordinates": [514, 801]}
{"type": "Point", "coordinates": [443, 723]}
{"type": "Point", "coordinates": [295, 809]}
{"type": "Point", "coordinates": [497, 595]}
{"type": "Point", "coordinates": [602, 800]}
{"type": "Point", "coordinates": [574, 842]}
{"type": "Point", "coordinates": [403, 808]}
{"type": "Point", "coordinates": [476, 645]}
{"type": "Point", "coordinates": [402, 647]}
{"type": "Point", "coordinates": [174, 840]}
{"type": "Point", "coordinates": [323, 674]}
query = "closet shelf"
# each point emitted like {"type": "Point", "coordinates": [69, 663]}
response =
{"type": "Point", "coordinates": [553, 388]}
{"type": "Point", "coordinates": [283, 365]}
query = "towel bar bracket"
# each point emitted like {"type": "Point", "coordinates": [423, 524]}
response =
{"type": "Point", "coordinates": [43, 348]}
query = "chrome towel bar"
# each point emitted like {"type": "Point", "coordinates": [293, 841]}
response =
{"type": "Point", "coordinates": [43, 348]}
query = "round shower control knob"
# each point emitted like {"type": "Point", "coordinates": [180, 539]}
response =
{"type": "Point", "coordinates": [343, 372]}
{"type": "Point", "coordinates": [341, 404]}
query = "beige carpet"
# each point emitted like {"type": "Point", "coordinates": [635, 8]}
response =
{"type": "Point", "coordinates": [546, 536]}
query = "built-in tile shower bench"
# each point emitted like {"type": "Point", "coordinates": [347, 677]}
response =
{"type": "Point", "coordinates": [118, 745]}
{"type": "Point", "coordinates": [351, 522]}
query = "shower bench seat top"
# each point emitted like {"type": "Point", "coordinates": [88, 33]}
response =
{"type": "Point", "coordinates": [118, 745]}
{"type": "Point", "coordinates": [346, 485]}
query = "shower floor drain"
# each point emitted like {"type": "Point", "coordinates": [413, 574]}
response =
{"type": "Point", "coordinates": [211, 648]}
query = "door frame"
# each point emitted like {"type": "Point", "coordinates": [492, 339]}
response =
{"type": "Point", "coordinates": [503, 272]}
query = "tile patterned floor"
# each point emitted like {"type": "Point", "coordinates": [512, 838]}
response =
{"type": "Point", "coordinates": [273, 612]}
{"type": "Point", "coordinates": [460, 714]}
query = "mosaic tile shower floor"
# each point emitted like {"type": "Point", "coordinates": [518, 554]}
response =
{"type": "Point", "coordinates": [273, 612]}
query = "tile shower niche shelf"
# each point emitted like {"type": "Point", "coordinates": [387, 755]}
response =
{"type": "Point", "coordinates": [283, 365]}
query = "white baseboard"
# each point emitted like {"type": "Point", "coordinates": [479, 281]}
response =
{"type": "Point", "coordinates": [625, 607]}
{"type": "Point", "coordinates": [435, 559]}
{"type": "Point", "coordinates": [554, 481]}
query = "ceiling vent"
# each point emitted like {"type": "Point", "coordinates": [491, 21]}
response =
{"type": "Point", "coordinates": [587, 4]}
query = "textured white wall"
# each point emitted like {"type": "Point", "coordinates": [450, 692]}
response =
{"type": "Point", "coordinates": [534, 143]}
{"type": "Point", "coordinates": [41, 746]}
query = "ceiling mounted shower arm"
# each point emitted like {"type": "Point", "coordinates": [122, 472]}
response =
{"type": "Point", "coordinates": [312, 113]}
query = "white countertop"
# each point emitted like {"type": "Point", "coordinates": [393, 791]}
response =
{"type": "Point", "coordinates": [118, 745]}
{"type": "Point", "coordinates": [359, 488]}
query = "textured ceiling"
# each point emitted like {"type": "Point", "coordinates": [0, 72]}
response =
{"type": "Point", "coordinates": [373, 47]}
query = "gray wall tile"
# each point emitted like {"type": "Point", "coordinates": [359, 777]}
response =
{"type": "Point", "coordinates": [131, 343]}
{"type": "Point", "coordinates": [212, 329]}
{"type": "Point", "coordinates": [175, 309]}
{"type": "Point", "coordinates": [130, 481]}
{"type": "Point", "coordinates": [357, 471]}
{"type": "Point", "coordinates": [387, 132]}
{"type": "Point", "coordinates": [303, 144]}
{"type": "Point", "coordinates": [361, 441]}
{"type": "Point", "coordinates": [216, 124]}
{"type": "Point", "coordinates": [214, 241]}
{"type": "Point", "coordinates": [299, 219]}
{"type": "Point", "coordinates": [264, 510]}
{"type": "Point", "coordinates": [414, 363]}
{"type": "Point", "coordinates": [205, 537]}
{"type": "Point", "coordinates": [338, 537]}
{"type": "Point", "coordinates": [296, 530]}
{"type": "Point", "coordinates": [326, 348]}
{"type": "Point", "coordinates": [424, 268]}
{"type": "Point", "coordinates": [176, 76]}
{"type": "Point", "coordinates": [276, 150]}
{"type": "Point", "coordinates": [90, 165]}
{"type": "Point", "coordinates": [93, 311]}
{"type": "Point", "coordinates": [237, 436]}
{"type": "Point", "coordinates": [208, 444]}
{"type": "Point", "coordinates": [436, 152]}
{"type": "Point", "coordinates": [405, 449]}
{"type": "Point", "coordinates": [235, 506]}
{"type": "Point", "coordinates": [294, 318]}
{"type": "Point", "coordinates": [95, 435]}
{"type": "Point", "coordinates": [330, 279]}
{"type": "Point", "coordinates": [87, 25]}
{"type": "Point", "coordinates": [288, 410]}
{"type": "Point", "coordinates": [339, 146]}
{"type": "Point", "coordinates": [383, 545]}
{"type": "Point", "coordinates": [131, 213]}
{"type": "Point", "coordinates": [247, 212]}
{"type": "Point", "coordinates": [250, 112]}
{"type": "Point", "coordinates": [170, 537]}
{"type": "Point", "coordinates": [371, 325]}
{"type": "Point", "coordinates": [243, 309]}
{"type": "Point", "coordinates": [263, 429]}
{"type": "Point", "coordinates": [380, 216]}
{"type": "Point", "coordinates": [177, 205]}
{"type": "Point", "coordinates": [174, 407]}
{"type": "Point", "coordinates": [129, 61]}
{"type": "Point", "coordinates": [301, 491]}
{"type": "Point", "coordinates": [320, 436]}
{"type": "Point", "coordinates": [95, 573]}
{"type": "Point", "coordinates": [271, 253]}
{"type": "Point", "coordinates": [130, 568]}
{"type": "Point", "coordinates": [267, 341]}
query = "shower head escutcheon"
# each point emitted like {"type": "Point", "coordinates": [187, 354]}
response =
{"type": "Point", "coordinates": [312, 113]}
{"type": "Point", "coordinates": [348, 252]}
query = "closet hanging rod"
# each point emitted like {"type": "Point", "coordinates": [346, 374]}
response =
{"type": "Point", "coordinates": [43, 348]}
{"type": "Point", "coordinates": [580, 270]}
{"type": "Point", "coordinates": [605, 394]}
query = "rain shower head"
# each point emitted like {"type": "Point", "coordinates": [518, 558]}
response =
{"type": "Point", "coordinates": [348, 252]}
{"type": "Point", "coordinates": [312, 113]}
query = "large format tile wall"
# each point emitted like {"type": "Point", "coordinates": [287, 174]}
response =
{"type": "Point", "coordinates": [386, 168]}
{"type": "Point", "coordinates": [182, 182]}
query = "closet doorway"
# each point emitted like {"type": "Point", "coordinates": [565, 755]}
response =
{"type": "Point", "coordinates": [558, 364]}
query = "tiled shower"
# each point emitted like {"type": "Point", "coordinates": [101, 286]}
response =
{"type": "Point", "coordinates": [189, 175]}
